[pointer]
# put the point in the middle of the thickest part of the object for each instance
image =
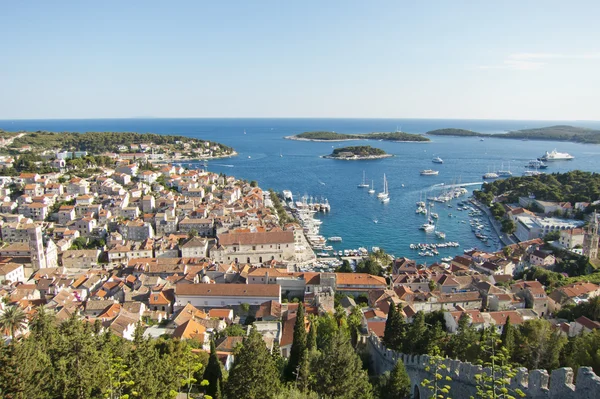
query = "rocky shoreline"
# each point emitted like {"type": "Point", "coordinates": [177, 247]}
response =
{"type": "Point", "coordinates": [358, 158]}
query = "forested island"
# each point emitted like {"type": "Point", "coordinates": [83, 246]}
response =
{"type": "Point", "coordinates": [554, 133]}
{"type": "Point", "coordinates": [357, 153]}
{"type": "Point", "coordinates": [333, 136]}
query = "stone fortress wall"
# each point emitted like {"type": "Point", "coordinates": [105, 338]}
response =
{"type": "Point", "coordinates": [536, 384]}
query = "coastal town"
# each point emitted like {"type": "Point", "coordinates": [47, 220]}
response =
{"type": "Point", "coordinates": [187, 253]}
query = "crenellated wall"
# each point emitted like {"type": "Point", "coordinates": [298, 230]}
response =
{"type": "Point", "coordinates": [536, 384]}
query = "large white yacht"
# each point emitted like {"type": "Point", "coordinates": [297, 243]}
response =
{"type": "Point", "coordinates": [555, 156]}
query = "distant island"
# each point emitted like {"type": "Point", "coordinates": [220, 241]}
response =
{"type": "Point", "coordinates": [333, 136]}
{"type": "Point", "coordinates": [554, 133]}
{"type": "Point", "coordinates": [357, 153]}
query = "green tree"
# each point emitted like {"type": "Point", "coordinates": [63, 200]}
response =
{"type": "Point", "coordinates": [416, 341]}
{"type": "Point", "coordinates": [507, 338]}
{"type": "Point", "coordinates": [12, 320]}
{"type": "Point", "coordinates": [463, 345]}
{"type": "Point", "coordinates": [539, 345]}
{"type": "Point", "coordinates": [395, 328]}
{"type": "Point", "coordinates": [253, 375]}
{"type": "Point", "coordinates": [298, 345]}
{"type": "Point", "coordinates": [213, 373]}
{"type": "Point", "coordinates": [311, 339]}
{"type": "Point", "coordinates": [345, 268]}
{"type": "Point", "coordinates": [398, 384]}
{"type": "Point", "coordinates": [508, 226]}
{"type": "Point", "coordinates": [338, 371]}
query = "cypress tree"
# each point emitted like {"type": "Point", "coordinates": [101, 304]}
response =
{"type": "Point", "coordinates": [213, 373]}
{"type": "Point", "coordinates": [298, 345]}
{"type": "Point", "coordinates": [394, 332]}
{"type": "Point", "coordinates": [253, 375]}
{"type": "Point", "coordinates": [507, 337]}
{"type": "Point", "coordinates": [311, 340]}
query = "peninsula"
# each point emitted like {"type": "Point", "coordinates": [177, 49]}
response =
{"type": "Point", "coordinates": [357, 153]}
{"type": "Point", "coordinates": [149, 146]}
{"type": "Point", "coordinates": [333, 136]}
{"type": "Point", "coordinates": [554, 133]}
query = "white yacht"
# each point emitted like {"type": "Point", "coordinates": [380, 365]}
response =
{"type": "Point", "coordinates": [437, 160]}
{"type": "Point", "coordinates": [428, 227]}
{"type": "Point", "coordinates": [384, 194]}
{"type": "Point", "coordinates": [429, 172]}
{"type": "Point", "coordinates": [371, 190]}
{"type": "Point", "coordinates": [490, 175]}
{"type": "Point", "coordinates": [364, 183]}
{"type": "Point", "coordinates": [536, 164]}
{"type": "Point", "coordinates": [555, 156]}
{"type": "Point", "coordinates": [504, 172]}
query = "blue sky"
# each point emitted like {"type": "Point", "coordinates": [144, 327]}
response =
{"type": "Point", "coordinates": [397, 59]}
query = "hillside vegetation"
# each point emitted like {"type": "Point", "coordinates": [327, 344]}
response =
{"type": "Point", "coordinates": [574, 186]}
{"type": "Point", "coordinates": [98, 142]}
{"type": "Point", "coordinates": [360, 151]}
{"type": "Point", "coordinates": [554, 133]}
{"type": "Point", "coordinates": [393, 136]}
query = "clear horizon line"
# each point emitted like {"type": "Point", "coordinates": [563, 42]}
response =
{"type": "Point", "coordinates": [294, 117]}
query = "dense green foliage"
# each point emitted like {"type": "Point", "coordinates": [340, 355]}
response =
{"type": "Point", "coordinates": [75, 359]}
{"type": "Point", "coordinates": [533, 344]}
{"type": "Point", "coordinates": [393, 136]}
{"type": "Point", "coordinates": [254, 373]}
{"type": "Point", "coordinates": [97, 142]}
{"type": "Point", "coordinates": [554, 133]}
{"type": "Point", "coordinates": [454, 132]}
{"type": "Point", "coordinates": [359, 151]}
{"type": "Point", "coordinates": [574, 186]}
{"type": "Point", "coordinates": [298, 346]}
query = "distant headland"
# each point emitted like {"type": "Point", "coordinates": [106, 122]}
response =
{"type": "Point", "coordinates": [357, 153]}
{"type": "Point", "coordinates": [333, 136]}
{"type": "Point", "coordinates": [555, 133]}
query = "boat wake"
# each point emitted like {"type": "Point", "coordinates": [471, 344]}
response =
{"type": "Point", "coordinates": [222, 164]}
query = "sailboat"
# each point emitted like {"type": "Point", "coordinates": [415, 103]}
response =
{"type": "Point", "coordinates": [280, 154]}
{"type": "Point", "coordinates": [244, 131]}
{"type": "Point", "coordinates": [372, 190]}
{"type": "Point", "coordinates": [384, 195]}
{"type": "Point", "coordinates": [364, 183]}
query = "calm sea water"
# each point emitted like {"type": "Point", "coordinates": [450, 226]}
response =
{"type": "Point", "coordinates": [353, 210]}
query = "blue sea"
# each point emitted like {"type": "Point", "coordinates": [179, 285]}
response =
{"type": "Point", "coordinates": [301, 170]}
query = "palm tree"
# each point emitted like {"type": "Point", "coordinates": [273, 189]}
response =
{"type": "Point", "coordinates": [12, 320]}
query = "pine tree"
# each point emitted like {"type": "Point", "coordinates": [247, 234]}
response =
{"type": "Point", "coordinates": [213, 373]}
{"type": "Point", "coordinates": [298, 345]}
{"type": "Point", "coordinates": [253, 375]}
{"type": "Point", "coordinates": [398, 386]}
{"type": "Point", "coordinates": [338, 371]}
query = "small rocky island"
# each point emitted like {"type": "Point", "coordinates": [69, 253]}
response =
{"type": "Point", "coordinates": [357, 153]}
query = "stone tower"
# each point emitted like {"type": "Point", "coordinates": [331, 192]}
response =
{"type": "Point", "coordinates": [36, 248]}
{"type": "Point", "coordinates": [590, 239]}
